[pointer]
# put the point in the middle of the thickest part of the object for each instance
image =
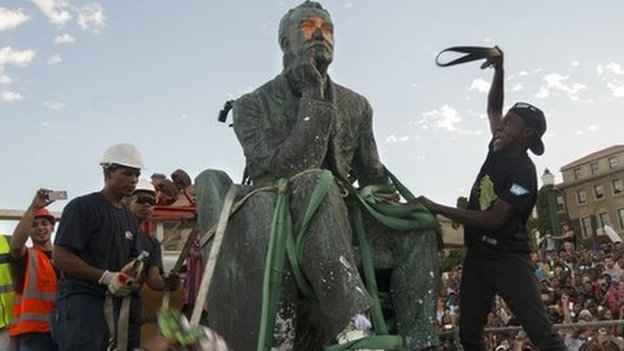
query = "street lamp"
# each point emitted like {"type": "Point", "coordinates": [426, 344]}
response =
{"type": "Point", "coordinates": [548, 180]}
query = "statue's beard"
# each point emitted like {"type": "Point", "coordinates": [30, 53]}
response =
{"type": "Point", "coordinates": [322, 61]}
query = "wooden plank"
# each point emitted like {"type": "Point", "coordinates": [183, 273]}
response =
{"type": "Point", "coordinates": [15, 215]}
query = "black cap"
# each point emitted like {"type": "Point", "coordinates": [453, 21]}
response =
{"type": "Point", "coordinates": [534, 118]}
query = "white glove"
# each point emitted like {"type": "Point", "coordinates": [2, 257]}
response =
{"type": "Point", "coordinates": [118, 283]}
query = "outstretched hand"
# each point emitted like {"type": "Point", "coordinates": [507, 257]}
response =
{"type": "Point", "coordinates": [495, 59]}
{"type": "Point", "coordinates": [426, 202]}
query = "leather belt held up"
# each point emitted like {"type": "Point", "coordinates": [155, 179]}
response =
{"type": "Point", "coordinates": [472, 53]}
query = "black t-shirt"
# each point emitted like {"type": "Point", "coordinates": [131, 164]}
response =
{"type": "Point", "coordinates": [513, 180]}
{"type": "Point", "coordinates": [100, 234]}
{"type": "Point", "coordinates": [151, 245]}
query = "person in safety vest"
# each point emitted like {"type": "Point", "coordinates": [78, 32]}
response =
{"type": "Point", "coordinates": [35, 277]}
{"type": "Point", "coordinates": [93, 244]}
{"type": "Point", "coordinates": [6, 294]}
{"type": "Point", "coordinates": [141, 203]}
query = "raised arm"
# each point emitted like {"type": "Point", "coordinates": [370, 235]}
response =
{"type": "Point", "coordinates": [24, 226]}
{"type": "Point", "coordinates": [496, 95]}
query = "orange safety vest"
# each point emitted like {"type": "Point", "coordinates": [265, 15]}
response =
{"type": "Point", "coordinates": [34, 305]}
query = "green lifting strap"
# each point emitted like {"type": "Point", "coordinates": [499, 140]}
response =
{"type": "Point", "coordinates": [274, 267]}
{"type": "Point", "coordinates": [282, 244]}
{"type": "Point", "coordinates": [384, 342]}
{"type": "Point", "coordinates": [369, 273]}
{"type": "Point", "coordinates": [295, 249]}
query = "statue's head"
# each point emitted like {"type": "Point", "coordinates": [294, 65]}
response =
{"type": "Point", "coordinates": [307, 30]}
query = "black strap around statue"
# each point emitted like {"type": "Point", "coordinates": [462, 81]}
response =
{"type": "Point", "coordinates": [473, 53]}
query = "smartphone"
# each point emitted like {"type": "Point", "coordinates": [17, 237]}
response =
{"type": "Point", "coordinates": [57, 195]}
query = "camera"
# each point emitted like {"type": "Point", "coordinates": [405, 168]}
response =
{"type": "Point", "coordinates": [57, 195]}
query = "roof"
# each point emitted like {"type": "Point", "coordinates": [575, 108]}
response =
{"type": "Point", "coordinates": [594, 156]}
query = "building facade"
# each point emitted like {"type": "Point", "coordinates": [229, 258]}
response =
{"type": "Point", "coordinates": [592, 191]}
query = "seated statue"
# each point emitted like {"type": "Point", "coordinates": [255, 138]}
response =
{"type": "Point", "coordinates": [299, 126]}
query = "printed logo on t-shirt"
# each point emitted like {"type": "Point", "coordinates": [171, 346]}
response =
{"type": "Point", "coordinates": [129, 235]}
{"type": "Point", "coordinates": [518, 190]}
{"type": "Point", "coordinates": [487, 195]}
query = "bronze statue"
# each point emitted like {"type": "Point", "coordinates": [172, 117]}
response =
{"type": "Point", "coordinates": [295, 126]}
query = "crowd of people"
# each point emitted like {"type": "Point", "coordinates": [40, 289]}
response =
{"type": "Point", "coordinates": [577, 285]}
{"type": "Point", "coordinates": [308, 140]}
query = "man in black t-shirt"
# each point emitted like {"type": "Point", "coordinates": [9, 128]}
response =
{"type": "Point", "coordinates": [501, 200]}
{"type": "Point", "coordinates": [93, 243]}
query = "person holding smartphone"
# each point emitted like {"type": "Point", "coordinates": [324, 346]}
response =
{"type": "Point", "coordinates": [35, 279]}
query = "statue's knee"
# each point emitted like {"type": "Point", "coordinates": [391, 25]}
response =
{"type": "Point", "coordinates": [211, 177]}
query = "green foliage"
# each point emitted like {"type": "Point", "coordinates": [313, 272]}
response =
{"type": "Point", "coordinates": [453, 258]}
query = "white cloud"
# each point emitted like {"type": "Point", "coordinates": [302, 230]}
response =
{"type": "Point", "coordinates": [4, 79]}
{"type": "Point", "coordinates": [557, 82]}
{"type": "Point", "coordinates": [394, 139]}
{"type": "Point", "coordinates": [348, 5]}
{"type": "Point", "coordinates": [590, 128]}
{"type": "Point", "coordinates": [575, 63]}
{"type": "Point", "coordinates": [542, 93]}
{"type": "Point", "coordinates": [613, 74]}
{"type": "Point", "coordinates": [479, 85]}
{"type": "Point", "coordinates": [8, 56]}
{"type": "Point", "coordinates": [10, 96]}
{"type": "Point", "coordinates": [445, 118]}
{"type": "Point", "coordinates": [10, 19]}
{"type": "Point", "coordinates": [56, 58]}
{"type": "Point", "coordinates": [610, 67]}
{"type": "Point", "coordinates": [64, 39]}
{"type": "Point", "coordinates": [517, 87]}
{"type": "Point", "coordinates": [54, 105]}
{"type": "Point", "coordinates": [523, 73]}
{"type": "Point", "coordinates": [91, 17]}
{"type": "Point", "coordinates": [616, 90]}
{"type": "Point", "coordinates": [54, 10]}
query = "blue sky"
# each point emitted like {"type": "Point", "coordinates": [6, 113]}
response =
{"type": "Point", "coordinates": [79, 76]}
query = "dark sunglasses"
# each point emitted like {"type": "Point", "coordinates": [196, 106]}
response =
{"type": "Point", "coordinates": [145, 199]}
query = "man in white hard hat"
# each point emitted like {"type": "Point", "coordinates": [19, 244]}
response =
{"type": "Point", "coordinates": [93, 243]}
{"type": "Point", "coordinates": [141, 203]}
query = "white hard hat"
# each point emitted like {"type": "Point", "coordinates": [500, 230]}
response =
{"type": "Point", "coordinates": [144, 185]}
{"type": "Point", "coordinates": [124, 155]}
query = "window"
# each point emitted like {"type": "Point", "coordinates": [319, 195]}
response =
{"type": "Point", "coordinates": [595, 168]}
{"type": "Point", "coordinates": [621, 215]}
{"type": "Point", "coordinates": [586, 226]}
{"type": "Point", "coordinates": [618, 186]}
{"type": "Point", "coordinates": [581, 197]}
{"type": "Point", "coordinates": [599, 191]}
{"type": "Point", "coordinates": [614, 162]}
{"type": "Point", "coordinates": [560, 203]}
{"type": "Point", "coordinates": [577, 173]}
{"type": "Point", "coordinates": [604, 219]}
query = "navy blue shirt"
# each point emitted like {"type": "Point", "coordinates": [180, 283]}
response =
{"type": "Point", "coordinates": [514, 181]}
{"type": "Point", "coordinates": [100, 234]}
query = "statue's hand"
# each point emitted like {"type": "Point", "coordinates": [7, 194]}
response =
{"type": "Point", "coordinates": [306, 77]}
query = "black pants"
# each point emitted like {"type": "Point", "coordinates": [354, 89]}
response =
{"type": "Point", "coordinates": [510, 275]}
